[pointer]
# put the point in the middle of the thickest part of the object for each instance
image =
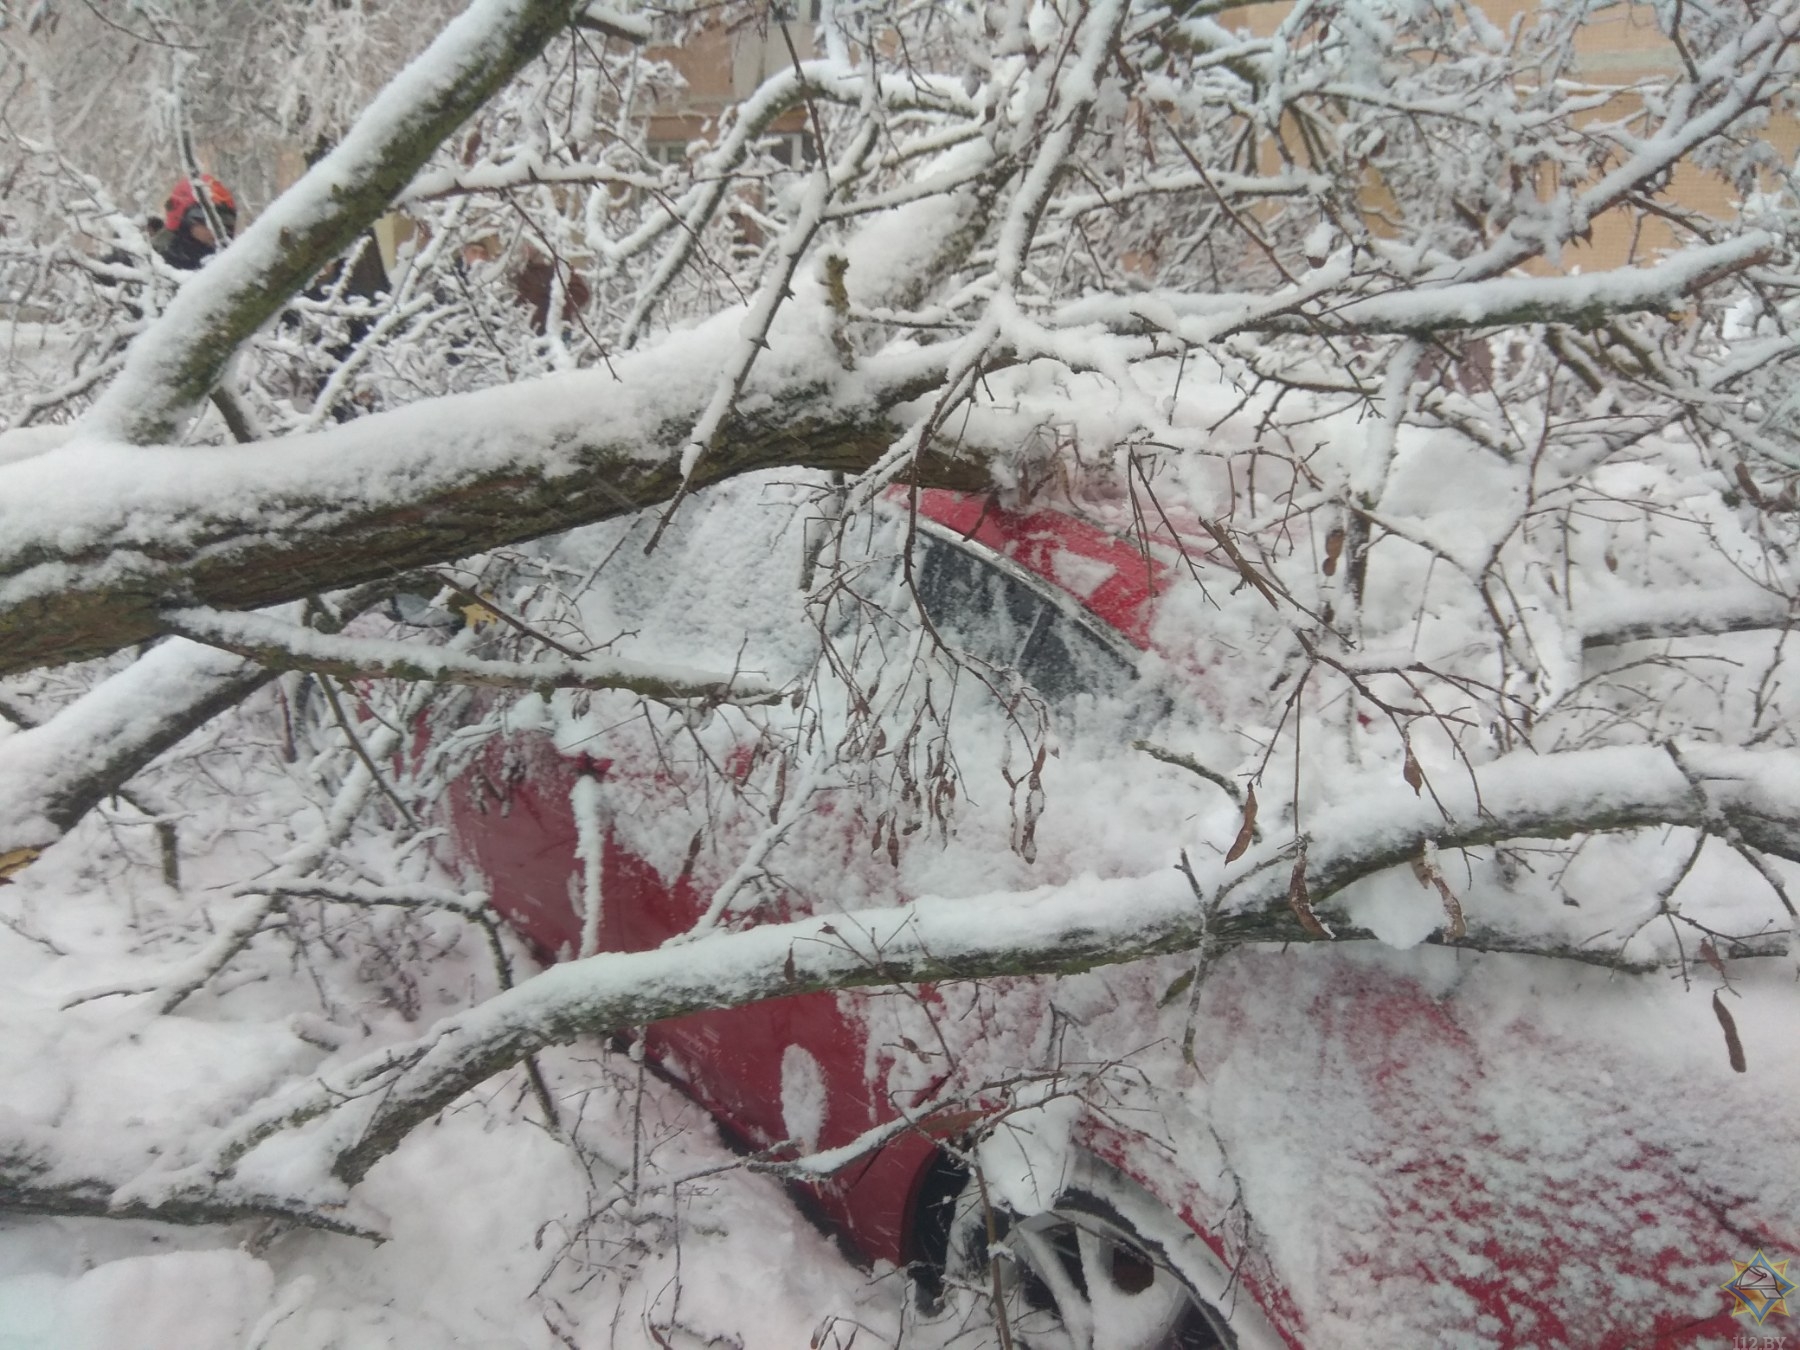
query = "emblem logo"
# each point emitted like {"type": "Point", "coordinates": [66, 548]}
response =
{"type": "Point", "coordinates": [1760, 1288]}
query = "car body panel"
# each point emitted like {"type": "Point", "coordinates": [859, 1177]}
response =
{"type": "Point", "coordinates": [515, 823]}
{"type": "Point", "coordinates": [1453, 1206]}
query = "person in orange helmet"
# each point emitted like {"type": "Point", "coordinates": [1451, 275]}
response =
{"type": "Point", "coordinates": [197, 210]}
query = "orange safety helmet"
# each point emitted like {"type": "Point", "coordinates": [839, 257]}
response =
{"type": "Point", "coordinates": [185, 196]}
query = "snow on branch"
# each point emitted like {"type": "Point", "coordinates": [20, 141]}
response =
{"type": "Point", "coordinates": [52, 774]}
{"type": "Point", "coordinates": [285, 646]}
{"type": "Point", "coordinates": [33, 1180]}
{"type": "Point", "coordinates": [179, 359]}
{"type": "Point", "coordinates": [172, 985]}
{"type": "Point", "coordinates": [1679, 614]}
{"type": "Point", "coordinates": [1735, 82]}
{"type": "Point", "coordinates": [469, 904]}
{"type": "Point", "coordinates": [234, 930]}
{"type": "Point", "coordinates": [1582, 300]}
{"type": "Point", "coordinates": [614, 23]}
{"type": "Point", "coordinates": [782, 92]}
{"type": "Point", "coordinates": [525, 170]}
{"type": "Point", "coordinates": [252, 526]}
{"type": "Point", "coordinates": [374, 1102]}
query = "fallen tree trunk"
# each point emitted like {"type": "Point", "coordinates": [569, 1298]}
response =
{"type": "Point", "coordinates": [243, 527]}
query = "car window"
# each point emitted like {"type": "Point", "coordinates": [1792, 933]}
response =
{"type": "Point", "coordinates": [975, 605]}
{"type": "Point", "coordinates": [1000, 618]}
{"type": "Point", "coordinates": [1063, 659]}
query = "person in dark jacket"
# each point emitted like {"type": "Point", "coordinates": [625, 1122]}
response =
{"type": "Point", "coordinates": [197, 210]}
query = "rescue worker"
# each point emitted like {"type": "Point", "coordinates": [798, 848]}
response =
{"type": "Point", "coordinates": [185, 236]}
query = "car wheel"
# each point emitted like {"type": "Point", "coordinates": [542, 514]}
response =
{"type": "Point", "coordinates": [1077, 1276]}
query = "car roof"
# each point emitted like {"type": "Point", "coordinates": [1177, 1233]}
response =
{"type": "Point", "coordinates": [1115, 580]}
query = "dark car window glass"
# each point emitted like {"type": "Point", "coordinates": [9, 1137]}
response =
{"type": "Point", "coordinates": [999, 618]}
{"type": "Point", "coordinates": [1063, 659]}
{"type": "Point", "coordinates": [982, 610]}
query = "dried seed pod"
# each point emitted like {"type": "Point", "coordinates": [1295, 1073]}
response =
{"type": "Point", "coordinates": [1246, 832]}
{"type": "Point", "coordinates": [1710, 955]}
{"type": "Point", "coordinates": [1734, 1048]}
{"type": "Point", "coordinates": [1334, 548]}
{"type": "Point", "coordinates": [1300, 900]}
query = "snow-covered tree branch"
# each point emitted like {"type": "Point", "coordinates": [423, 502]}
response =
{"type": "Point", "coordinates": [376, 1102]}
{"type": "Point", "coordinates": [1150, 486]}
{"type": "Point", "coordinates": [382, 496]}
{"type": "Point", "coordinates": [278, 646]}
{"type": "Point", "coordinates": [166, 375]}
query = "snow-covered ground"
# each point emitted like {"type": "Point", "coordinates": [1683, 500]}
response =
{"type": "Point", "coordinates": [500, 1237]}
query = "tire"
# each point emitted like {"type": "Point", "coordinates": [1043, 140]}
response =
{"type": "Point", "coordinates": [1078, 1275]}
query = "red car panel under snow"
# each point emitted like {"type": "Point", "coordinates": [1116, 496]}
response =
{"type": "Point", "coordinates": [1518, 1244]}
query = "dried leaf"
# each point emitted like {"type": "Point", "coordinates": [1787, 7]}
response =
{"type": "Point", "coordinates": [893, 847]}
{"type": "Point", "coordinates": [1246, 832]}
{"type": "Point", "coordinates": [693, 852]}
{"type": "Point", "coordinates": [17, 860]}
{"type": "Point", "coordinates": [1734, 1048]}
{"type": "Point", "coordinates": [787, 968]}
{"type": "Point", "coordinates": [477, 616]}
{"type": "Point", "coordinates": [1456, 928]}
{"type": "Point", "coordinates": [1426, 869]}
{"type": "Point", "coordinates": [1710, 955]}
{"type": "Point", "coordinates": [1334, 548]}
{"type": "Point", "coordinates": [781, 768]}
{"type": "Point", "coordinates": [1410, 770]}
{"type": "Point", "coordinates": [1177, 987]}
{"type": "Point", "coordinates": [1300, 901]}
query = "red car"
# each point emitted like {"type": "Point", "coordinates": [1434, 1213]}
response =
{"type": "Point", "coordinates": [1363, 1147]}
